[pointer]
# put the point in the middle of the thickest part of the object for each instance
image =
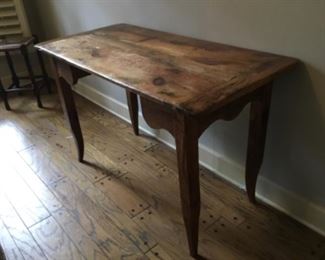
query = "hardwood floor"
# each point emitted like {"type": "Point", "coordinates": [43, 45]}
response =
{"type": "Point", "coordinates": [123, 203]}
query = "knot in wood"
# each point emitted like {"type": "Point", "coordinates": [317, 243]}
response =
{"type": "Point", "coordinates": [159, 81]}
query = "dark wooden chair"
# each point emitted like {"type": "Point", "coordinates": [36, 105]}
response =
{"type": "Point", "coordinates": [2, 254]}
{"type": "Point", "coordinates": [14, 44]}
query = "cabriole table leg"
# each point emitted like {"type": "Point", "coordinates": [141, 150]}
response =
{"type": "Point", "coordinates": [133, 110]}
{"type": "Point", "coordinates": [188, 170]}
{"type": "Point", "coordinates": [69, 108]}
{"type": "Point", "coordinates": [259, 114]}
{"type": "Point", "coordinates": [184, 128]}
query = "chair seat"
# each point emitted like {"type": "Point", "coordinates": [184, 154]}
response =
{"type": "Point", "coordinates": [14, 43]}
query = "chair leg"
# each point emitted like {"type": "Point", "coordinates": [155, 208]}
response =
{"type": "Point", "coordinates": [31, 76]}
{"type": "Point", "coordinates": [44, 72]}
{"type": "Point", "coordinates": [14, 77]}
{"type": "Point", "coordinates": [4, 96]}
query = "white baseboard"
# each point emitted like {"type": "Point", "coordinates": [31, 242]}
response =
{"type": "Point", "coordinates": [304, 211]}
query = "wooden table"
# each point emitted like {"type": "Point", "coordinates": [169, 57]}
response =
{"type": "Point", "coordinates": [184, 86]}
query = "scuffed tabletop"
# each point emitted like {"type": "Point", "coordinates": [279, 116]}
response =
{"type": "Point", "coordinates": [185, 73]}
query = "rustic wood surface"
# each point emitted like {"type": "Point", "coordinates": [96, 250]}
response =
{"type": "Point", "coordinates": [184, 85]}
{"type": "Point", "coordinates": [124, 202]}
{"type": "Point", "coordinates": [185, 73]}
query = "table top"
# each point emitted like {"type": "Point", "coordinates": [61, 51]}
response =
{"type": "Point", "coordinates": [185, 73]}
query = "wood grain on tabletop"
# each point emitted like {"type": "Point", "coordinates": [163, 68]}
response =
{"type": "Point", "coordinates": [185, 73]}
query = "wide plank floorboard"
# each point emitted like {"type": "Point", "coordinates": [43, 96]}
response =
{"type": "Point", "coordinates": [123, 203]}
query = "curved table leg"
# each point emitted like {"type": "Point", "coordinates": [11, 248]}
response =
{"type": "Point", "coordinates": [133, 110]}
{"type": "Point", "coordinates": [69, 108]}
{"type": "Point", "coordinates": [185, 130]}
{"type": "Point", "coordinates": [188, 171]}
{"type": "Point", "coordinates": [259, 113]}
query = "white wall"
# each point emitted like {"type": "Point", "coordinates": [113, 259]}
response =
{"type": "Point", "coordinates": [295, 149]}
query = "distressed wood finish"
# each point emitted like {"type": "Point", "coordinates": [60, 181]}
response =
{"type": "Point", "coordinates": [171, 69]}
{"type": "Point", "coordinates": [184, 85]}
